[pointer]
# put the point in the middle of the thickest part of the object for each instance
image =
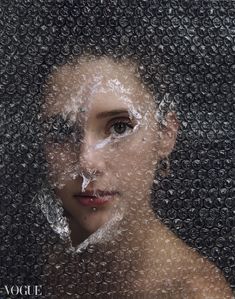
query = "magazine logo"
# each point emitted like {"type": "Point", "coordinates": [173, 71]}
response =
{"type": "Point", "coordinates": [24, 290]}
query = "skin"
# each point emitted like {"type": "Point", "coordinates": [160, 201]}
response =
{"type": "Point", "coordinates": [115, 159]}
{"type": "Point", "coordinates": [84, 92]}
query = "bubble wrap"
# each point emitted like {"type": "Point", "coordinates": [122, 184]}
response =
{"type": "Point", "coordinates": [184, 55]}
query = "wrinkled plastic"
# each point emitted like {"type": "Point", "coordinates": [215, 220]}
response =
{"type": "Point", "coordinates": [177, 59]}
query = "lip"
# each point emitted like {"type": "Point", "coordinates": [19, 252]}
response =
{"type": "Point", "coordinates": [95, 198]}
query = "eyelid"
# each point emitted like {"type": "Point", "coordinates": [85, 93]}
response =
{"type": "Point", "coordinates": [62, 132]}
{"type": "Point", "coordinates": [115, 120]}
{"type": "Point", "coordinates": [121, 119]}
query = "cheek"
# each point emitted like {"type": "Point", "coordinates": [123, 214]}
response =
{"type": "Point", "coordinates": [134, 161]}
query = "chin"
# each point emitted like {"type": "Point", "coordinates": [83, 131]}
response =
{"type": "Point", "coordinates": [94, 221]}
{"type": "Point", "coordinates": [92, 228]}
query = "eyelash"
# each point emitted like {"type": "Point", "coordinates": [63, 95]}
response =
{"type": "Point", "coordinates": [116, 121]}
{"type": "Point", "coordinates": [61, 132]}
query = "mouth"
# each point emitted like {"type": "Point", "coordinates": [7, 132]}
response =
{"type": "Point", "coordinates": [95, 198]}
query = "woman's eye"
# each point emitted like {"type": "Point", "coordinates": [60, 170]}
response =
{"type": "Point", "coordinates": [59, 137]}
{"type": "Point", "coordinates": [120, 127]}
{"type": "Point", "coordinates": [60, 131]}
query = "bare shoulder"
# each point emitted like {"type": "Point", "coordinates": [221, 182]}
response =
{"type": "Point", "coordinates": [202, 279]}
{"type": "Point", "coordinates": [210, 285]}
{"type": "Point", "coordinates": [193, 274]}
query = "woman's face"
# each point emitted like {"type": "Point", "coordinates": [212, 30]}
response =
{"type": "Point", "coordinates": [105, 140]}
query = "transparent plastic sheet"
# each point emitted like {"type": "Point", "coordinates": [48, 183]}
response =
{"type": "Point", "coordinates": [170, 64]}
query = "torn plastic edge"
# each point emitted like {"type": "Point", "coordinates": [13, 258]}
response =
{"type": "Point", "coordinates": [46, 202]}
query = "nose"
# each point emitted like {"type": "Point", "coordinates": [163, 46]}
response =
{"type": "Point", "coordinates": [91, 159]}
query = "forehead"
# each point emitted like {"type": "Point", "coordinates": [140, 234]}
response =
{"type": "Point", "coordinates": [93, 83]}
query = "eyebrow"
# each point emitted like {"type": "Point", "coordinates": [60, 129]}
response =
{"type": "Point", "coordinates": [102, 114]}
{"type": "Point", "coordinates": [111, 113]}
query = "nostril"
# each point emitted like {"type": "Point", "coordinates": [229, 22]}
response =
{"type": "Point", "coordinates": [87, 177]}
{"type": "Point", "coordinates": [90, 174]}
{"type": "Point", "coordinates": [91, 162]}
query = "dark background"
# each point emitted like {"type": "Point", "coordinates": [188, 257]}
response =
{"type": "Point", "coordinates": [186, 49]}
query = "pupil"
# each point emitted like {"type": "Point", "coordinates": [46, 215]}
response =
{"type": "Point", "coordinates": [120, 128]}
